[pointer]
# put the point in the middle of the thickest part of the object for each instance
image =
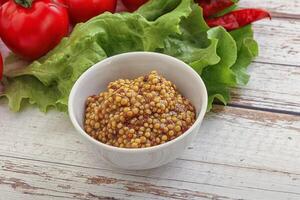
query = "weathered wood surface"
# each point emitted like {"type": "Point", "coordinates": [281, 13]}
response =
{"type": "Point", "coordinates": [240, 152]}
{"type": "Point", "coordinates": [278, 8]}
{"type": "Point", "coordinates": [279, 41]}
{"type": "Point", "coordinates": [272, 86]}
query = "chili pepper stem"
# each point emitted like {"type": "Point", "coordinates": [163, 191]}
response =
{"type": "Point", "coordinates": [24, 3]}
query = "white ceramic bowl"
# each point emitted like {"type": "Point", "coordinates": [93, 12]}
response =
{"type": "Point", "coordinates": [132, 65]}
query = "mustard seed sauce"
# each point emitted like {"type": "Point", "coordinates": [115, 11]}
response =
{"type": "Point", "coordinates": [138, 113]}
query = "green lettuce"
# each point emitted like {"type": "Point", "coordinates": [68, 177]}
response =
{"type": "Point", "coordinates": [173, 27]}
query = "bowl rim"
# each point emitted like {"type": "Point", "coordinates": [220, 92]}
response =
{"type": "Point", "coordinates": [98, 65]}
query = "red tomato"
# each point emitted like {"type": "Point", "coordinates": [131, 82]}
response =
{"type": "Point", "coordinates": [1, 67]}
{"type": "Point", "coordinates": [83, 10]}
{"type": "Point", "coordinates": [133, 5]}
{"type": "Point", "coordinates": [2, 2]}
{"type": "Point", "coordinates": [30, 31]}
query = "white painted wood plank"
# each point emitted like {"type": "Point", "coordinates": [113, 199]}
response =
{"type": "Point", "coordinates": [203, 181]}
{"type": "Point", "coordinates": [251, 139]}
{"type": "Point", "coordinates": [249, 153]}
{"type": "Point", "coordinates": [44, 179]}
{"type": "Point", "coordinates": [279, 41]}
{"type": "Point", "coordinates": [259, 137]}
{"type": "Point", "coordinates": [238, 154]}
{"type": "Point", "coordinates": [280, 7]}
{"type": "Point", "coordinates": [271, 86]}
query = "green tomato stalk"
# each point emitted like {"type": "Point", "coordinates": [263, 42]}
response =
{"type": "Point", "coordinates": [24, 3]}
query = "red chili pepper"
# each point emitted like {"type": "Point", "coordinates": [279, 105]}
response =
{"type": "Point", "coordinates": [238, 18]}
{"type": "Point", "coordinates": [212, 7]}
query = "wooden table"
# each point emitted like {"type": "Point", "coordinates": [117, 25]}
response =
{"type": "Point", "coordinates": [247, 150]}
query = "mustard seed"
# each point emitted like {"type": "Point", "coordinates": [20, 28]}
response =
{"type": "Point", "coordinates": [134, 145]}
{"type": "Point", "coordinates": [177, 128]}
{"type": "Point", "coordinates": [139, 113]}
{"type": "Point", "coordinates": [124, 102]}
{"type": "Point", "coordinates": [164, 138]}
{"type": "Point", "coordinates": [147, 134]}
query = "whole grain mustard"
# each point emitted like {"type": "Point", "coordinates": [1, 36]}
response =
{"type": "Point", "coordinates": [139, 113]}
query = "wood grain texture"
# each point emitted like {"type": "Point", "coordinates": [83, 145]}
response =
{"type": "Point", "coordinates": [59, 142]}
{"type": "Point", "coordinates": [238, 154]}
{"type": "Point", "coordinates": [272, 86]}
{"type": "Point", "coordinates": [55, 181]}
{"type": "Point", "coordinates": [279, 41]}
{"type": "Point", "coordinates": [278, 8]}
{"type": "Point", "coordinates": [233, 146]}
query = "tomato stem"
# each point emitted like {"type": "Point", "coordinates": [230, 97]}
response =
{"type": "Point", "coordinates": [24, 3]}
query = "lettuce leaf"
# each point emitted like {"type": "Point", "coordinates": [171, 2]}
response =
{"type": "Point", "coordinates": [192, 45]}
{"type": "Point", "coordinates": [105, 35]}
{"type": "Point", "coordinates": [247, 51]}
{"type": "Point", "coordinates": [221, 58]}
{"type": "Point", "coordinates": [173, 27]}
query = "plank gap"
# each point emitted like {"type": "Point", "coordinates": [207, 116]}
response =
{"type": "Point", "coordinates": [120, 171]}
{"type": "Point", "coordinates": [281, 15]}
{"type": "Point", "coordinates": [242, 167]}
{"type": "Point", "coordinates": [181, 159]}
{"type": "Point", "coordinates": [270, 110]}
{"type": "Point", "coordinates": [273, 63]}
